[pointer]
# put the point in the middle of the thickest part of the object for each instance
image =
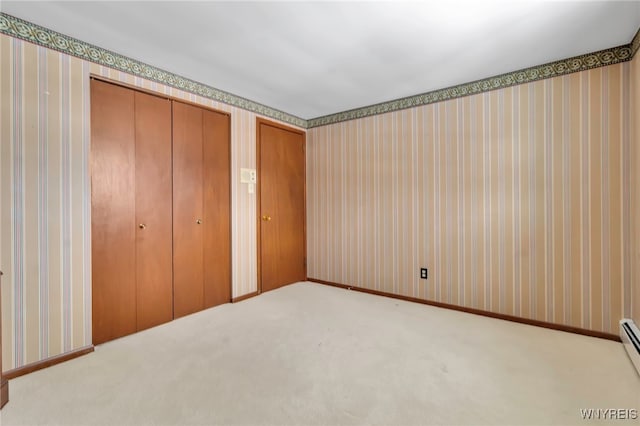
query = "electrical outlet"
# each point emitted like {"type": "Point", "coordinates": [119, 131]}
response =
{"type": "Point", "coordinates": [423, 273]}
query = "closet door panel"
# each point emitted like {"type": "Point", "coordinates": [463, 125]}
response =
{"type": "Point", "coordinates": [187, 210]}
{"type": "Point", "coordinates": [217, 237]}
{"type": "Point", "coordinates": [112, 211]}
{"type": "Point", "coordinates": [153, 210]}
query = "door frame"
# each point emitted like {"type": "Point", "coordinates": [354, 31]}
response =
{"type": "Point", "coordinates": [259, 122]}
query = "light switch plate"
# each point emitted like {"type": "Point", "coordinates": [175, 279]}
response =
{"type": "Point", "coordinates": [248, 176]}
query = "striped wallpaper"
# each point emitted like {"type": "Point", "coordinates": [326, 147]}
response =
{"type": "Point", "coordinates": [635, 189]}
{"type": "Point", "coordinates": [516, 200]}
{"type": "Point", "coordinates": [45, 204]}
{"type": "Point", "coordinates": [43, 161]}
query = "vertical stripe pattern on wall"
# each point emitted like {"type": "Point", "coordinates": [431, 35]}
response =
{"type": "Point", "coordinates": [65, 214]}
{"type": "Point", "coordinates": [43, 230]}
{"type": "Point", "coordinates": [86, 206]}
{"type": "Point", "coordinates": [585, 197]}
{"type": "Point", "coordinates": [45, 208]}
{"type": "Point", "coordinates": [18, 204]}
{"type": "Point", "coordinates": [45, 198]}
{"type": "Point", "coordinates": [512, 198]}
{"type": "Point", "coordinates": [566, 205]}
{"type": "Point", "coordinates": [632, 288]}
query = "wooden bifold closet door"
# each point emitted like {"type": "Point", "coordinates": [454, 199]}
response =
{"type": "Point", "coordinates": [130, 210]}
{"type": "Point", "coordinates": [201, 215]}
{"type": "Point", "coordinates": [160, 210]}
{"type": "Point", "coordinates": [154, 298]}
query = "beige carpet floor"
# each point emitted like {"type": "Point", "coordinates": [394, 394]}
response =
{"type": "Point", "coordinates": [309, 354]}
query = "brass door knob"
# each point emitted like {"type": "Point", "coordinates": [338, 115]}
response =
{"type": "Point", "coordinates": [142, 226]}
{"type": "Point", "coordinates": [199, 221]}
{"type": "Point", "coordinates": [266, 218]}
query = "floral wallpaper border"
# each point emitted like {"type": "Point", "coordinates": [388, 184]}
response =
{"type": "Point", "coordinates": [33, 33]}
{"type": "Point", "coordinates": [27, 31]}
{"type": "Point", "coordinates": [635, 43]}
{"type": "Point", "coordinates": [553, 69]}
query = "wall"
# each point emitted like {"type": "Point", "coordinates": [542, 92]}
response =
{"type": "Point", "coordinates": [547, 232]}
{"type": "Point", "coordinates": [635, 188]}
{"type": "Point", "coordinates": [45, 193]}
{"type": "Point", "coordinates": [516, 200]}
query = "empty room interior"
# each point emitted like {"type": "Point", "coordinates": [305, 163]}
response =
{"type": "Point", "coordinates": [319, 213]}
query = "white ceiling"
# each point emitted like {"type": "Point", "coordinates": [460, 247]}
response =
{"type": "Point", "coordinates": [316, 58]}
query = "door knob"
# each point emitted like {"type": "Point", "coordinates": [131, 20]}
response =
{"type": "Point", "coordinates": [142, 226]}
{"type": "Point", "coordinates": [266, 218]}
{"type": "Point", "coordinates": [199, 221]}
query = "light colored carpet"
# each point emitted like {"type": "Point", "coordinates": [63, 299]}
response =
{"type": "Point", "coordinates": [309, 354]}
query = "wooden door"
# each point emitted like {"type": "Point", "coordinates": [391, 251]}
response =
{"type": "Point", "coordinates": [130, 211]}
{"type": "Point", "coordinates": [113, 227]}
{"type": "Point", "coordinates": [281, 183]}
{"type": "Point", "coordinates": [188, 264]}
{"type": "Point", "coordinates": [202, 229]}
{"type": "Point", "coordinates": [154, 280]}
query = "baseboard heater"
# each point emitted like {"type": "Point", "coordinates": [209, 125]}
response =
{"type": "Point", "coordinates": [630, 336]}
